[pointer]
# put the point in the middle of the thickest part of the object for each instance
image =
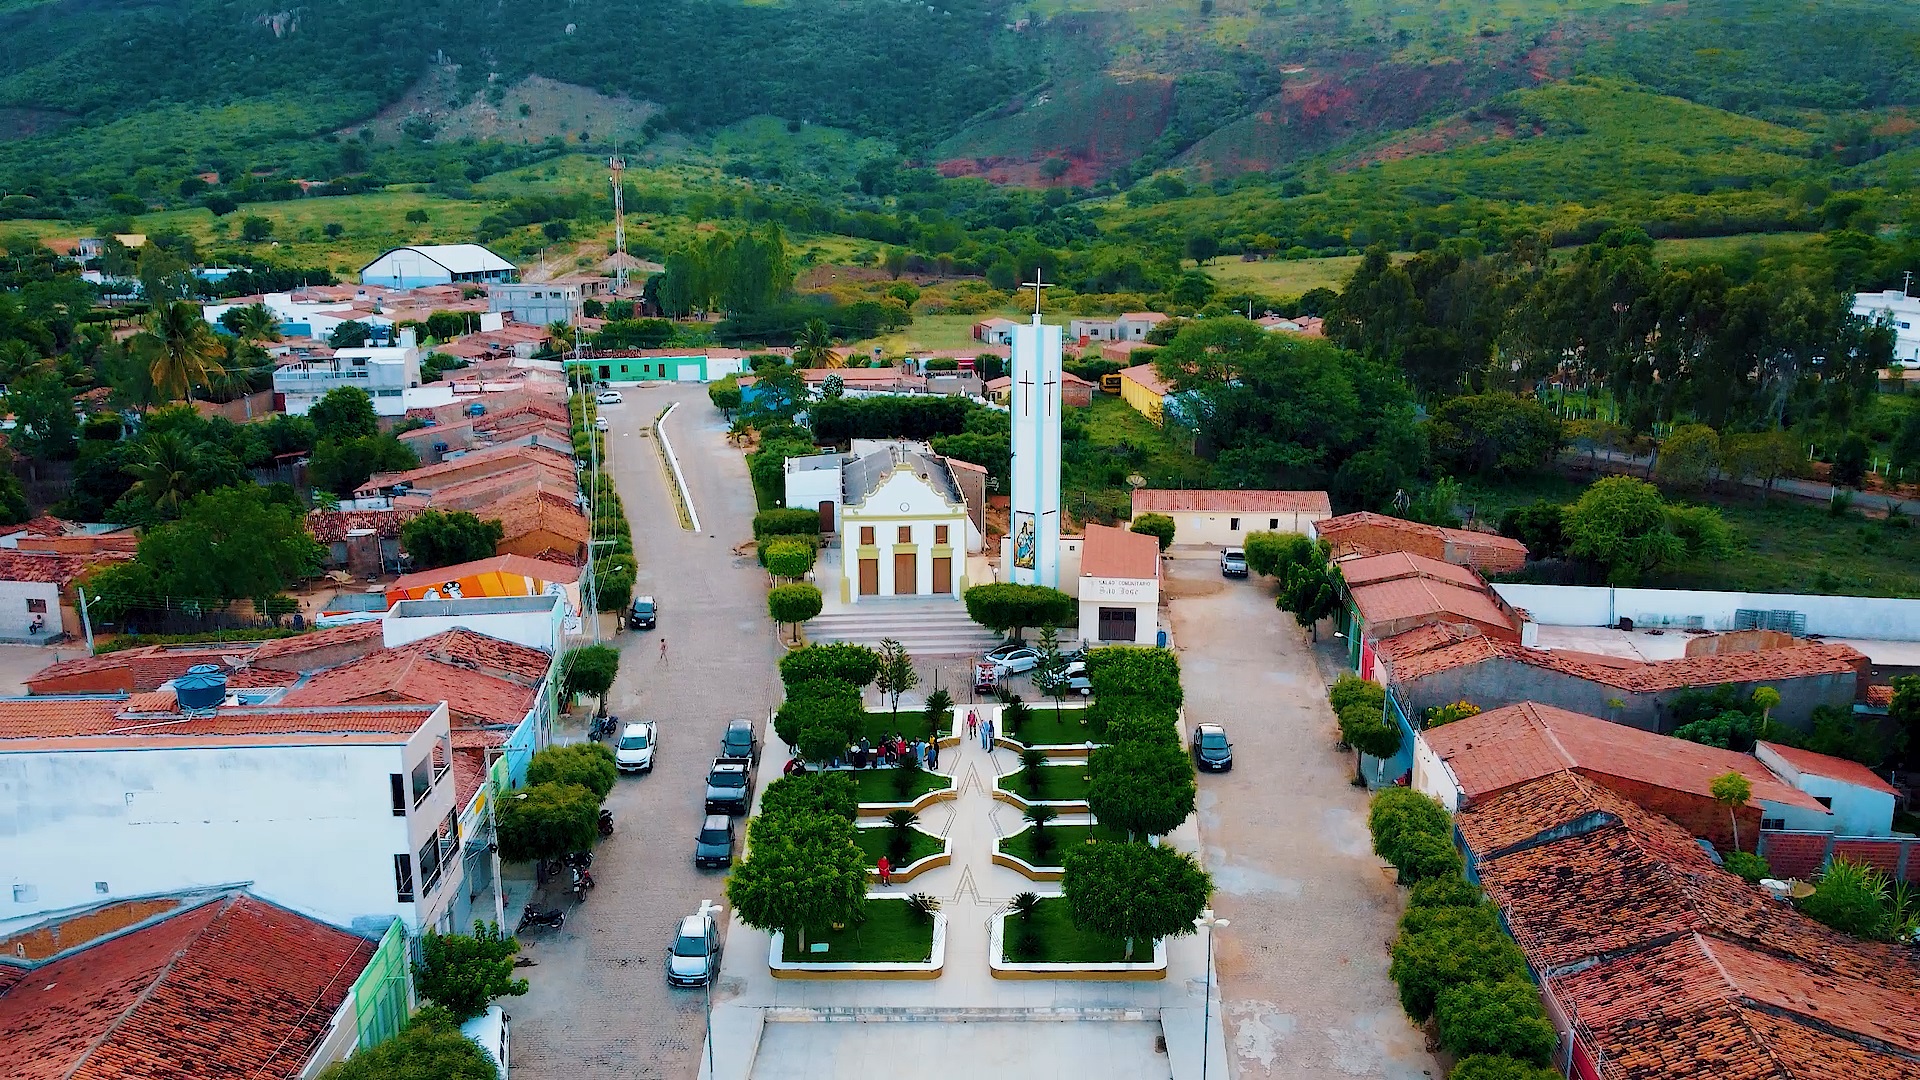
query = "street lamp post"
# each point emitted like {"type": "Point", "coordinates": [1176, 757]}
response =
{"type": "Point", "coordinates": [708, 907]}
{"type": "Point", "coordinates": [1208, 923]}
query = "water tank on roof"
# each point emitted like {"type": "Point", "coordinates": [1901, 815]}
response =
{"type": "Point", "coordinates": [204, 686]}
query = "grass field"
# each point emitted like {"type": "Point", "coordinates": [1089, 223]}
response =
{"type": "Point", "coordinates": [941, 331]}
{"type": "Point", "coordinates": [919, 845]}
{"type": "Point", "coordinates": [890, 934]}
{"type": "Point", "coordinates": [876, 786]}
{"type": "Point", "coordinates": [881, 724]}
{"type": "Point", "coordinates": [1284, 277]}
{"type": "Point", "coordinates": [1047, 726]}
{"type": "Point", "coordinates": [1058, 783]}
{"type": "Point", "coordinates": [1788, 545]}
{"type": "Point", "coordinates": [1060, 942]}
{"type": "Point", "coordinates": [1065, 838]}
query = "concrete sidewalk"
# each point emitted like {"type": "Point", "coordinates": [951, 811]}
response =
{"type": "Point", "coordinates": [972, 891]}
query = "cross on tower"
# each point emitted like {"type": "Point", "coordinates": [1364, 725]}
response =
{"type": "Point", "coordinates": [1036, 285]}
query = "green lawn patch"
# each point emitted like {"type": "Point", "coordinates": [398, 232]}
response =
{"type": "Point", "coordinates": [1047, 726]}
{"type": "Point", "coordinates": [1058, 783]}
{"type": "Point", "coordinates": [881, 724]}
{"type": "Point", "coordinates": [876, 786]}
{"type": "Point", "coordinates": [891, 934]}
{"type": "Point", "coordinates": [919, 845]}
{"type": "Point", "coordinates": [1065, 838]}
{"type": "Point", "coordinates": [1063, 943]}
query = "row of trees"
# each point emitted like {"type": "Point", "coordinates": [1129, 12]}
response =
{"type": "Point", "coordinates": [803, 872]}
{"type": "Point", "coordinates": [736, 273]}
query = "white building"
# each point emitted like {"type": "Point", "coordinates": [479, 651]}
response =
{"type": "Point", "coordinates": [1224, 518]}
{"type": "Point", "coordinates": [1033, 542]}
{"type": "Point", "coordinates": [437, 264]}
{"type": "Point", "coordinates": [904, 526]}
{"type": "Point", "coordinates": [536, 303]}
{"type": "Point", "coordinates": [386, 374]}
{"type": "Point", "coordinates": [1133, 326]}
{"type": "Point", "coordinates": [1861, 802]}
{"type": "Point", "coordinates": [345, 813]}
{"type": "Point", "coordinates": [316, 319]}
{"type": "Point", "coordinates": [1901, 312]}
{"type": "Point", "coordinates": [538, 622]}
{"type": "Point", "coordinates": [1118, 587]}
{"type": "Point", "coordinates": [813, 483]}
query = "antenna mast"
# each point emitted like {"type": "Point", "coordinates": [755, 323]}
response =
{"type": "Point", "coordinates": [619, 165]}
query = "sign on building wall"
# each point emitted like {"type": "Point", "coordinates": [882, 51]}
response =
{"type": "Point", "coordinates": [1118, 589]}
{"type": "Point", "coordinates": [1025, 540]}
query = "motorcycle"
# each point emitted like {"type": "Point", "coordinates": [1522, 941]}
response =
{"type": "Point", "coordinates": [578, 863]}
{"type": "Point", "coordinates": [606, 822]}
{"type": "Point", "coordinates": [537, 916]}
{"type": "Point", "coordinates": [581, 881]}
{"type": "Point", "coordinates": [603, 727]}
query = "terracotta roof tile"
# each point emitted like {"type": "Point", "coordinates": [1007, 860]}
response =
{"type": "Point", "coordinates": [1880, 695]}
{"type": "Point", "coordinates": [1226, 501]}
{"type": "Point", "coordinates": [446, 667]}
{"type": "Point", "coordinates": [1332, 527]}
{"type": "Point", "coordinates": [1418, 597]}
{"type": "Point", "coordinates": [235, 988]}
{"type": "Point", "coordinates": [469, 774]}
{"type": "Point", "coordinates": [538, 569]}
{"type": "Point", "coordinates": [297, 644]}
{"type": "Point", "coordinates": [1149, 377]}
{"type": "Point", "coordinates": [1500, 748]}
{"type": "Point", "coordinates": [1832, 768]}
{"type": "Point", "coordinates": [1117, 553]}
{"type": "Point", "coordinates": [1423, 639]}
{"type": "Point", "coordinates": [332, 526]}
{"type": "Point", "coordinates": [1641, 677]}
{"type": "Point", "coordinates": [51, 569]}
{"type": "Point", "coordinates": [540, 510]}
{"type": "Point", "coordinates": [146, 667]}
{"type": "Point", "coordinates": [1394, 565]}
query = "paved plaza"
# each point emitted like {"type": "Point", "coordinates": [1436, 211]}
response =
{"type": "Point", "coordinates": [1033, 1050]}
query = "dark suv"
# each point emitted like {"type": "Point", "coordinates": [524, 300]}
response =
{"type": "Point", "coordinates": [642, 615]}
{"type": "Point", "coordinates": [739, 742]}
{"type": "Point", "coordinates": [714, 844]}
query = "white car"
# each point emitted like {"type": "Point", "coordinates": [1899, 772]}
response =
{"type": "Point", "coordinates": [695, 953]}
{"type": "Point", "coordinates": [1073, 677]}
{"type": "Point", "coordinates": [1015, 660]}
{"type": "Point", "coordinates": [634, 751]}
{"type": "Point", "coordinates": [608, 397]}
{"type": "Point", "coordinates": [599, 423]}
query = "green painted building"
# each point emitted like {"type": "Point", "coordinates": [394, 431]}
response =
{"type": "Point", "coordinates": [660, 365]}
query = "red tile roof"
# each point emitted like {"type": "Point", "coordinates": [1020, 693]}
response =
{"type": "Point", "coordinates": [235, 988]}
{"type": "Point", "coordinates": [1880, 695]}
{"type": "Point", "coordinates": [1147, 377]}
{"type": "Point", "coordinates": [147, 667]}
{"type": "Point", "coordinates": [1118, 553]}
{"type": "Point", "coordinates": [50, 569]}
{"type": "Point", "coordinates": [1395, 565]}
{"type": "Point", "coordinates": [540, 510]}
{"type": "Point", "coordinates": [313, 640]}
{"type": "Point", "coordinates": [1500, 748]}
{"type": "Point", "coordinates": [332, 526]}
{"type": "Point", "coordinates": [1422, 639]}
{"type": "Point", "coordinates": [469, 774]}
{"type": "Point", "coordinates": [1227, 501]}
{"type": "Point", "coordinates": [1426, 597]}
{"type": "Point", "coordinates": [537, 569]}
{"type": "Point", "coordinates": [1643, 677]}
{"type": "Point", "coordinates": [1831, 768]}
{"type": "Point", "coordinates": [420, 673]}
{"type": "Point", "coordinates": [1668, 966]}
{"type": "Point", "coordinates": [1332, 527]}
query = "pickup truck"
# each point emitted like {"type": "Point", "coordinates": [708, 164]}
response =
{"type": "Point", "coordinates": [730, 785]}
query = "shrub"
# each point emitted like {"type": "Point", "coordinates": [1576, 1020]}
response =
{"type": "Point", "coordinates": [812, 793]}
{"type": "Point", "coordinates": [905, 776]}
{"type": "Point", "coordinates": [1158, 526]}
{"type": "Point", "coordinates": [1157, 731]}
{"type": "Point", "coordinates": [1748, 865]}
{"type": "Point", "coordinates": [938, 713]}
{"type": "Point", "coordinates": [1495, 1018]}
{"type": "Point", "coordinates": [1114, 708]}
{"type": "Point", "coordinates": [1498, 1067]}
{"type": "Point", "coordinates": [1031, 762]}
{"type": "Point", "coordinates": [1444, 892]}
{"type": "Point", "coordinates": [1133, 671]}
{"type": "Point", "coordinates": [788, 556]}
{"type": "Point", "coordinates": [1426, 963]}
{"type": "Point", "coordinates": [588, 764]}
{"type": "Point", "coordinates": [1013, 718]}
{"type": "Point", "coordinates": [1851, 898]}
{"type": "Point", "coordinates": [900, 825]}
{"type": "Point", "coordinates": [786, 523]}
{"type": "Point", "coordinates": [1349, 689]}
{"type": "Point", "coordinates": [546, 821]}
{"type": "Point", "coordinates": [820, 718]}
{"type": "Point", "coordinates": [856, 665]}
{"type": "Point", "coordinates": [1398, 813]}
{"type": "Point", "coordinates": [1423, 856]}
{"type": "Point", "coordinates": [1145, 788]}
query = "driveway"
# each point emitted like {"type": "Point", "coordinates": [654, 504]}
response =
{"type": "Point", "coordinates": [599, 1004]}
{"type": "Point", "coordinates": [1303, 967]}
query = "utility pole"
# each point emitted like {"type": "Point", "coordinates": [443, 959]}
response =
{"type": "Point", "coordinates": [85, 621]}
{"type": "Point", "coordinates": [619, 164]}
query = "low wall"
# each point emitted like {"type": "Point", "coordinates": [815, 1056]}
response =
{"type": "Point", "coordinates": [1599, 605]}
{"type": "Point", "coordinates": [1794, 854]}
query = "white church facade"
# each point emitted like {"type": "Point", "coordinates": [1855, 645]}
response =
{"type": "Point", "coordinates": [900, 515]}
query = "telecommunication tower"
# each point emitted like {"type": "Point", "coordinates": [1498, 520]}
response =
{"type": "Point", "coordinates": [619, 164]}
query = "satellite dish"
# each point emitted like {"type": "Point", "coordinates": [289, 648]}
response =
{"type": "Point", "coordinates": [1135, 480]}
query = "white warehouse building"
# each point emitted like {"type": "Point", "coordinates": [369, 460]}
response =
{"type": "Point", "coordinates": [437, 264]}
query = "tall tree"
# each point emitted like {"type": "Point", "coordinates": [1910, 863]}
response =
{"type": "Point", "coordinates": [463, 974]}
{"type": "Point", "coordinates": [345, 412]}
{"type": "Point", "coordinates": [802, 874]}
{"type": "Point", "coordinates": [897, 674]}
{"type": "Point", "coordinates": [438, 538]}
{"type": "Point", "coordinates": [1134, 892]}
{"type": "Point", "coordinates": [179, 349]}
{"type": "Point", "coordinates": [1732, 791]}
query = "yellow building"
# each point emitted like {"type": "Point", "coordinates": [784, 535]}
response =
{"type": "Point", "coordinates": [1144, 389]}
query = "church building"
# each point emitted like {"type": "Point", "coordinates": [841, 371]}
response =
{"type": "Point", "coordinates": [901, 516]}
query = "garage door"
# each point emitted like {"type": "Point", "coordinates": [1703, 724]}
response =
{"type": "Point", "coordinates": [1118, 623]}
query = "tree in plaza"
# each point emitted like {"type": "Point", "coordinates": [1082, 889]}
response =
{"type": "Point", "coordinates": [1363, 728]}
{"type": "Point", "coordinates": [803, 873]}
{"type": "Point", "coordinates": [1731, 790]}
{"type": "Point", "coordinates": [463, 974]}
{"type": "Point", "coordinates": [587, 764]}
{"type": "Point", "coordinates": [820, 718]}
{"type": "Point", "coordinates": [897, 675]}
{"type": "Point", "coordinates": [1134, 892]}
{"type": "Point", "coordinates": [788, 557]}
{"type": "Point", "coordinates": [589, 669]}
{"type": "Point", "coordinates": [1143, 787]}
{"type": "Point", "coordinates": [1008, 608]}
{"type": "Point", "coordinates": [345, 412]}
{"type": "Point", "coordinates": [793, 604]}
{"type": "Point", "coordinates": [430, 1048]}
{"type": "Point", "coordinates": [179, 349]}
{"type": "Point", "coordinates": [829, 793]}
{"type": "Point", "coordinates": [1158, 526]}
{"type": "Point", "coordinates": [438, 538]}
{"type": "Point", "coordinates": [851, 663]}
{"type": "Point", "coordinates": [938, 713]}
{"type": "Point", "coordinates": [546, 821]}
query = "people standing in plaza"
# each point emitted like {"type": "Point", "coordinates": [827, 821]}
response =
{"type": "Point", "coordinates": [986, 735]}
{"type": "Point", "coordinates": [886, 870]}
{"type": "Point", "coordinates": [973, 724]}
{"type": "Point", "coordinates": [933, 754]}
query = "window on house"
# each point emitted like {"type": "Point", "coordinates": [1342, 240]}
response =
{"type": "Point", "coordinates": [1824, 800]}
{"type": "Point", "coordinates": [399, 782]}
{"type": "Point", "coordinates": [1233, 524]}
{"type": "Point", "coordinates": [623, 369]}
{"type": "Point", "coordinates": [1773, 823]}
{"type": "Point", "coordinates": [1273, 523]}
{"type": "Point", "coordinates": [37, 605]}
{"type": "Point", "coordinates": [403, 879]}
{"type": "Point", "coordinates": [939, 534]}
{"type": "Point", "coordinates": [906, 534]}
{"type": "Point", "coordinates": [866, 534]}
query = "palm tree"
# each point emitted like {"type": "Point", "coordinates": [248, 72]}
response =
{"type": "Point", "coordinates": [162, 467]}
{"type": "Point", "coordinates": [813, 346]}
{"type": "Point", "coordinates": [180, 350]}
{"type": "Point", "coordinates": [254, 322]}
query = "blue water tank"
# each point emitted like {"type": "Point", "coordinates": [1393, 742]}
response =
{"type": "Point", "coordinates": [204, 686]}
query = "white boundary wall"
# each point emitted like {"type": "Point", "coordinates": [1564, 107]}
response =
{"type": "Point", "coordinates": [1598, 605]}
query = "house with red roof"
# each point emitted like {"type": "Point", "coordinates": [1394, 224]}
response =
{"type": "Point", "coordinates": [219, 985]}
{"type": "Point", "coordinates": [1657, 964]}
{"type": "Point", "coordinates": [1223, 517]}
{"type": "Point", "coordinates": [1861, 801]}
{"type": "Point", "coordinates": [1375, 534]}
{"type": "Point", "coordinates": [345, 813]}
{"type": "Point", "coordinates": [1118, 586]}
{"type": "Point", "coordinates": [1496, 751]}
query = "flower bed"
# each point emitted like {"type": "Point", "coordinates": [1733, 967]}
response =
{"type": "Point", "coordinates": [1067, 952]}
{"type": "Point", "coordinates": [1065, 839]}
{"type": "Point", "coordinates": [892, 943]}
{"type": "Point", "coordinates": [1058, 784]}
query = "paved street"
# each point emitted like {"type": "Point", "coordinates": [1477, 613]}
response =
{"type": "Point", "coordinates": [600, 1006]}
{"type": "Point", "coordinates": [1304, 965]}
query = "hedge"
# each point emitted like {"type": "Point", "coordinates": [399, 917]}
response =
{"type": "Point", "coordinates": [786, 523]}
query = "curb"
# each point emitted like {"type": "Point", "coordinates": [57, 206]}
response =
{"type": "Point", "coordinates": [684, 496]}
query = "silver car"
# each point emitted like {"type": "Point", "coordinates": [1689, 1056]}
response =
{"type": "Point", "coordinates": [695, 953]}
{"type": "Point", "coordinates": [634, 751]}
